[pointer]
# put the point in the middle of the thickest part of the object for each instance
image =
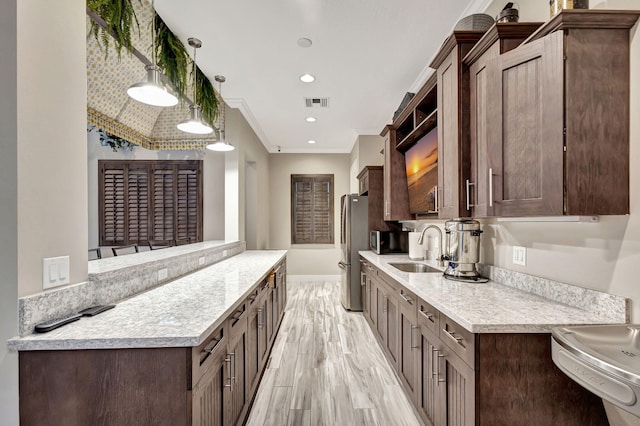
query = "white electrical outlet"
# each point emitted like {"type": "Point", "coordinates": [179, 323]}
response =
{"type": "Point", "coordinates": [162, 274]}
{"type": "Point", "coordinates": [201, 260]}
{"type": "Point", "coordinates": [55, 271]}
{"type": "Point", "coordinates": [225, 253]}
{"type": "Point", "coordinates": [520, 255]}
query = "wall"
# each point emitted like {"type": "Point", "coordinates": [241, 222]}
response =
{"type": "Point", "coordinates": [366, 152]}
{"type": "Point", "coordinates": [43, 194]}
{"type": "Point", "coordinates": [305, 259]}
{"type": "Point", "coordinates": [8, 211]}
{"type": "Point", "coordinates": [212, 184]}
{"type": "Point", "coordinates": [249, 150]}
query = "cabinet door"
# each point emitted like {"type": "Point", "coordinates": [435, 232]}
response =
{"type": "Point", "coordinates": [483, 102]}
{"type": "Point", "coordinates": [527, 158]}
{"type": "Point", "coordinates": [269, 315]}
{"type": "Point", "coordinates": [409, 348]}
{"type": "Point", "coordinates": [238, 377]}
{"type": "Point", "coordinates": [253, 364]}
{"type": "Point", "coordinates": [428, 384]}
{"type": "Point", "coordinates": [396, 193]}
{"type": "Point", "coordinates": [381, 313]}
{"type": "Point", "coordinates": [456, 389]}
{"type": "Point", "coordinates": [392, 328]}
{"type": "Point", "coordinates": [212, 393]}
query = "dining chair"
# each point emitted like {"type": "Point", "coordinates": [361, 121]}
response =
{"type": "Point", "coordinates": [130, 249]}
{"type": "Point", "coordinates": [160, 244]}
{"type": "Point", "coordinates": [95, 253]}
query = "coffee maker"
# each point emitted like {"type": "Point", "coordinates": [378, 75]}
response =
{"type": "Point", "coordinates": [462, 250]}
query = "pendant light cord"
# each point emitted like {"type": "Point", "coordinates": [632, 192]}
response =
{"type": "Point", "coordinates": [153, 34]}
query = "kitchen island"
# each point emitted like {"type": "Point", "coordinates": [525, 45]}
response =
{"type": "Point", "coordinates": [480, 353]}
{"type": "Point", "coordinates": [191, 351]}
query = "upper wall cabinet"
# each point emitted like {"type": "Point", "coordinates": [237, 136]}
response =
{"type": "Point", "coordinates": [453, 123]}
{"type": "Point", "coordinates": [396, 195]}
{"type": "Point", "coordinates": [560, 143]}
{"type": "Point", "coordinates": [500, 38]}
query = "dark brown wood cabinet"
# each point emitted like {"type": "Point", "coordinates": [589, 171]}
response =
{"type": "Point", "coordinates": [409, 342]}
{"type": "Point", "coordinates": [208, 385]}
{"type": "Point", "coordinates": [556, 137]}
{"type": "Point", "coordinates": [455, 377]}
{"type": "Point", "coordinates": [453, 123]}
{"type": "Point", "coordinates": [500, 38]}
{"type": "Point", "coordinates": [396, 194]}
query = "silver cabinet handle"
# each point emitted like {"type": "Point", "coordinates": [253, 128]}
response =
{"type": "Point", "coordinates": [405, 298]}
{"type": "Point", "coordinates": [490, 187]}
{"type": "Point", "coordinates": [234, 367]}
{"type": "Point", "coordinates": [413, 331]}
{"type": "Point", "coordinates": [438, 368]}
{"type": "Point", "coordinates": [469, 185]}
{"type": "Point", "coordinates": [260, 324]}
{"type": "Point", "coordinates": [427, 315]}
{"type": "Point", "coordinates": [227, 361]}
{"type": "Point", "coordinates": [435, 201]}
{"type": "Point", "coordinates": [384, 306]}
{"type": "Point", "coordinates": [216, 343]}
{"type": "Point", "coordinates": [452, 335]}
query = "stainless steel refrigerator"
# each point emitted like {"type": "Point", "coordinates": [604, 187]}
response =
{"type": "Point", "coordinates": [354, 236]}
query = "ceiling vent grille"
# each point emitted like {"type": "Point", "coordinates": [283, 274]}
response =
{"type": "Point", "coordinates": [316, 102]}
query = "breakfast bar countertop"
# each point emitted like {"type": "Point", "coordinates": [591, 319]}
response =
{"type": "Point", "coordinates": [181, 313]}
{"type": "Point", "coordinates": [492, 307]}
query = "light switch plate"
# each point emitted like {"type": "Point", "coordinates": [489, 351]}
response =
{"type": "Point", "coordinates": [520, 255]}
{"type": "Point", "coordinates": [55, 271]}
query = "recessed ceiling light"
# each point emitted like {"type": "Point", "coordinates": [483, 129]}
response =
{"type": "Point", "coordinates": [307, 78]}
{"type": "Point", "coordinates": [304, 42]}
{"type": "Point", "coordinates": [310, 119]}
{"type": "Point", "coordinates": [311, 141]}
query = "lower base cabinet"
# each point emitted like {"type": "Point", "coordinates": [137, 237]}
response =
{"type": "Point", "coordinates": [458, 378]}
{"type": "Point", "coordinates": [209, 385]}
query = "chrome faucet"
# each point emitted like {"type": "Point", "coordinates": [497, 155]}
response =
{"type": "Point", "coordinates": [421, 240]}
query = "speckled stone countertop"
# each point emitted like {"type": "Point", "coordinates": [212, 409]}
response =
{"type": "Point", "coordinates": [497, 308]}
{"type": "Point", "coordinates": [180, 313]}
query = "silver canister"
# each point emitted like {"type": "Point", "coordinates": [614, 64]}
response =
{"type": "Point", "coordinates": [462, 248]}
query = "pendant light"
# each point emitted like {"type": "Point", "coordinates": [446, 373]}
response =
{"type": "Point", "coordinates": [221, 144]}
{"type": "Point", "coordinates": [195, 123]}
{"type": "Point", "coordinates": [152, 91]}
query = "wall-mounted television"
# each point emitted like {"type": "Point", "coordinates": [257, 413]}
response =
{"type": "Point", "coordinates": [421, 162]}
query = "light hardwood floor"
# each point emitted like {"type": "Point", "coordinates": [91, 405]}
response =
{"type": "Point", "coordinates": [326, 368]}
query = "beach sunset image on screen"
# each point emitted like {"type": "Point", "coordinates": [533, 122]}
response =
{"type": "Point", "coordinates": [421, 162]}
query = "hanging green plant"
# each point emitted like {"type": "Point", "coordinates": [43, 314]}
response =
{"type": "Point", "coordinates": [172, 57]}
{"type": "Point", "coordinates": [120, 19]}
{"type": "Point", "coordinates": [207, 98]}
{"type": "Point", "coordinates": [109, 139]}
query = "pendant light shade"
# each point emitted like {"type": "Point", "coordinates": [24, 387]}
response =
{"type": "Point", "coordinates": [195, 124]}
{"type": "Point", "coordinates": [221, 145]}
{"type": "Point", "coordinates": [152, 91]}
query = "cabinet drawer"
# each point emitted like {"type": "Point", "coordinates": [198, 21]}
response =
{"type": "Point", "coordinates": [428, 316]}
{"type": "Point", "coordinates": [460, 340]}
{"type": "Point", "coordinates": [203, 357]}
{"type": "Point", "coordinates": [408, 302]}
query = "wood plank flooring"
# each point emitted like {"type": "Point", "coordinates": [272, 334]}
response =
{"type": "Point", "coordinates": [326, 368]}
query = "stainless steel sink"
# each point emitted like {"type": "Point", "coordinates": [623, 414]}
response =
{"type": "Point", "coordinates": [414, 267]}
{"type": "Point", "coordinates": [604, 359]}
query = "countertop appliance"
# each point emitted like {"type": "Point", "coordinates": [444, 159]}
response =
{"type": "Point", "coordinates": [462, 250]}
{"type": "Point", "coordinates": [354, 226]}
{"type": "Point", "coordinates": [386, 242]}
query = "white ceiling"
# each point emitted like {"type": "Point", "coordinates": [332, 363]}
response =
{"type": "Point", "coordinates": [365, 55]}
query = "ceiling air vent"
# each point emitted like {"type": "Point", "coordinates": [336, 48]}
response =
{"type": "Point", "coordinates": [316, 102]}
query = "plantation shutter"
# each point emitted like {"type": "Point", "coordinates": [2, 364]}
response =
{"type": "Point", "coordinates": [164, 209]}
{"type": "Point", "coordinates": [312, 209]}
{"type": "Point", "coordinates": [142, 200]}
{"type": "Point", "coordinates": [112, 211]}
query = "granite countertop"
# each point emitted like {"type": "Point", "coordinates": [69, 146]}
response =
{"type": "Point", "coordinates": [181, 313]}
{"type": "Point", "coordinates": [487, 307]}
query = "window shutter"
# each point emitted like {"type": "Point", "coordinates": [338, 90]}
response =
{"type": "Point", "coordinates": [312, 209]}
{"type": "Point", "coordinates": [163, 203]}
{"type": "Point", "coordinates": [187, 194]}
{"type": "Point", "coordinates": [137, 204]}
{"type": "Point", "coordinates": [113, 208]}
{"type": "Point", "coordinates": [143, 200]}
